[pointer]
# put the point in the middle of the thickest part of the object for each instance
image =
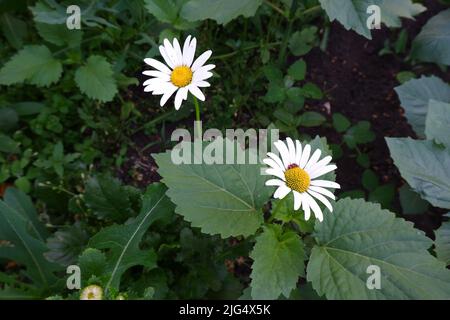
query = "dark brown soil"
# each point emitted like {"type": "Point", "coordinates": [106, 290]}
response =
{"type": "Point", "coordinates": [359, 84]}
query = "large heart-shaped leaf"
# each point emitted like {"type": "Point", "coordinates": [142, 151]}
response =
{"type": "Point", "coordinates": [433, 43]}
{"type": "Point", "coordinates": [393, 10]}
{"type": "Point", "coordinates": [352, 14]}
{"type": "Point", "coordinates": [437, 123]}
{"type": "Point", "coordinates": [414, 96]}
{"type": "Point", "coordinates": [223, 199]}
{"type": "Point", "coordinates": [219, 10]}
{"type": "Point", "coordinates": [442, 243]}
{"type": "Point", "coordinates": [360, 234]}
{"type": "Point", "coordinates": [425, 167]}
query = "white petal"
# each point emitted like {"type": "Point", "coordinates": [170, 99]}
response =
{"type": "Point", "coordinates": [314, 206]}
{"type": "Point", "coordinates": [170, 51]}
{"type": "Point", "coordinates": [321, 163]}
{"type": "Point", "coordinates": [177, 49]}
{"type": "Point", "coordinates": [166, 58]}
{"type": "Point", "coordinates": [274, 182]}
{"type": "Point", "coordinates": [157, 74]}
{"type": "Point", "coordinates": [196, 92]}
{"type": "Point", "coordinates": [305, 156]}
{"type": "Point", "coordinates": [167, 95]}
{"type": "Point", "coordinates": [284, 152]}
{"type": "Point", "coordinates": [186, 43]}
{"type": "Point", "coordinates": [207, 67]}
{"type": "Point", "coordinates": [276, 173]}
{"type": "Point", "coordinates": [297, 200]}
{"type": "Point", "coordinates": [276, 159]}
{"type": "Point", "coordinates": [272, 164]}
{"type": "Point", "coordinates": [201, 84]}
{"type": "Point", "coordinates": [306, 208]}
{"type": "Point", "coordinates": [189, 52]}
{"type": "Point", "coordinates": [321, 171]}
{"type": "Point", "coordinates": [161, 88]}
{"type": "Point", "coordinates": [322, 199]}
{"type": "Point", "coordinates": [291, 148]}
{"type": "Point", "coordinates": [298, 153]}
{"type": "Point", "coordinates": [201, 75]}
{"type": "Point", "coordinates": [158, 87]}
{"type": "Point", "coordinates": [157, 65]}
{"type": "Point", "coordinates": [185, 93]}
{"type": "Point", "coordinates": [313, 160]}
{"type": "Point", "coordinates": [325, 184]}
{"type": "Point", "coordinates": [323, 191]}
{"type": "Point", "coordinates": [151, 81]}
{"type": "Point", "coordinates": [179, 97]}
{"type": "Point", "coordinates": [200, 61]}
{"type": "Point", "coordinates": [281, 192]}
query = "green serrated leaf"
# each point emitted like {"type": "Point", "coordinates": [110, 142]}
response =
{"type": "Point", "coordinates": [411, 202]}
{"type": "Point", "coordinates": [278, 262]}
{"type": "Point", "coordinates": [59, 35]}
{"type": "Point", "coordinates": [442, 243]}
{"type": "Point", "coordinates": [359, 234]}
{"type": "Point", "coordinates": [437, 122]}
{"type": "Point", "coordinates": [14, 29]}
{"type": "Point", "coordinates": [26, 248]}
{"type": "Point", "coordinates": [66, 244]}
{"type": "Point", "coordinates": [352, 14]}
{"type": "Point", "coordinates": [169, 11]}
{"type": "Point", "coordinates": [223, 199]}
{"type": "Point", "coordinates": [122, 241]}
{"type": "Point", "coordinates": [106, 197]}
{"type": "Point", "coordinates": [95, 79]}
{"type": "Point", "coordinates": [432, 44]}
{"type": "Point", "coordinates": [301, 42]}
{"type": "Point", "coordinates": [393, 10]}
{"type": "Point", "coordinates": [33, 63]}
{"type": "Point", "coordinates": [414, 97]}
{"type": "Point", "coordinates": [219, 10]}
{"type": "Point", "coordinates": [425, 167]}
{"type": "Point", "coordinates": [92, 262]}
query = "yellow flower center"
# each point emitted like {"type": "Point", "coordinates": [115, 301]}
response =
{"type": "Point", "coordinates": [181, 76]}
{"type": "Point", "coordinates": [297, 179]}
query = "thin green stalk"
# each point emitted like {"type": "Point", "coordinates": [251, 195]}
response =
{"type": "Point", "coordinates": [197, 116]}
{"type": "Point", "coordinates": [233, 53]}
{"type": "Point", "coordinates": [276, 8]}
{"type": "Point", "coordinates": [74, 46]}
{"type": "Point", "coordinates": [287, 36]}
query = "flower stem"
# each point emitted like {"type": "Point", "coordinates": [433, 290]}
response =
{"type": "Point", "coordinates": [276, 8]}
{"type": "Point", "coordinates": [287, 35]}
{"type": "Point", "coordinates": [197, 116]}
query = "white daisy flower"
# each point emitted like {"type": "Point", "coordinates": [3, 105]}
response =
{"type": "Point", "coordinates": [92, 292]}
{"type": "Point", "coordinates": [179, 74]}
{"type": "Point", "coordinates": [298, 171]}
